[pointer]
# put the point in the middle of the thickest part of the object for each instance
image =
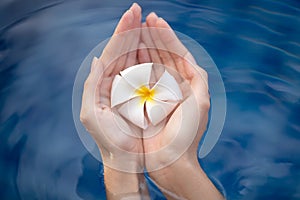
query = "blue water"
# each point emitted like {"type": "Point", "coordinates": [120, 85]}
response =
{"type": "Point", "coordinates": [255, 44]}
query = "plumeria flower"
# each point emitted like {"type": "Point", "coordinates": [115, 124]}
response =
{"type": "Point", "coordinates": [135, 99]}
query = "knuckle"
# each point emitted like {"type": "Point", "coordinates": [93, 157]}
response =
{"type": "Point", "coordinates": [86, 83]}
{"type": "Point", "coordinates": [84, 117]}
{"type": "Point", "coordinates": [205, 104]}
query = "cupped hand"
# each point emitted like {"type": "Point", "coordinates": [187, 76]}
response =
{"type": "Point", "coordinates": [113, 135]}
{"type": "Point", "coordinates": [170, 155]}
{"type": "Point", "coordinates": [179, 138]}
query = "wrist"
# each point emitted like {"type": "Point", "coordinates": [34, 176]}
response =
{"type": "Point", "coordinates": [120, 160]}
{"type": "Point", "coordinates": [180, 166]}
{"type": "Point", "coordinates": [121, 184]}
{"type": "Point", "coordinates": [185, 179]}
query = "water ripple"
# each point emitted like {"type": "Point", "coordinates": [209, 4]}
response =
{"type": "Point", "coordinates": [255, 44]}
{"type": "Point", "coordinates": [257, 41]}
{"type": "Point", "coordinates": [270, 12]}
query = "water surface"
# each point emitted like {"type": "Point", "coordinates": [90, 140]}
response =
{"type": "Point", "coordinates": [255, 44]}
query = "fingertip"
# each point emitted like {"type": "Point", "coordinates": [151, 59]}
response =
{"type": "Point", "coordinates": [94, 61]}
{"type": "Point", "coordinates": [153, 14]}
{"type": "Point", "coordinates": [136, 8]}
{"type": "Point", "coordinates": [151, 19]}
{"type": "Point", "coordinates": [142, 45]}
{"type": "Point", "coordinates": [125, 22]}
{"type": "Point", "coordinates": [133, 5]}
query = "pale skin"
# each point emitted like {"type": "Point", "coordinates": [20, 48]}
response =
{"type": "Point", "coordinates": [182, 179]}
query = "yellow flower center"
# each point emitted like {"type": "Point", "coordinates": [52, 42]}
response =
{"type": "Point", "coordinates": [145, 93]}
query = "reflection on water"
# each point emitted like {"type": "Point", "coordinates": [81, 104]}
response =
{"type": "Point", "coordinates": [255, 44]}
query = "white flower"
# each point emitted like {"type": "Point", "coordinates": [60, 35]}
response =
{"type": "Point", "coordinates": [139, 103]}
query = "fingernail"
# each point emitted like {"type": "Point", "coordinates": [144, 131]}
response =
{"type": "Point", "coordinates": [94, 60]}
{"type": "Point", "coordinates": [142, 45]}
{"type": "Point", "coordinates": [154, 14]}
{"type": "Point", "coordinates": [133, 5]}
{"type": "Point", "coordinates": [158, 21]}
{"type": "Point", "coordinates": [136, 8]}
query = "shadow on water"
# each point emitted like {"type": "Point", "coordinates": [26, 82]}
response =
{"type": "Point", "coordinates": [255, 44]}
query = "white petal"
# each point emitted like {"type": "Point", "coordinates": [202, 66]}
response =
{"type": "Point", "coordinates": [121, 91]}
{"type": "Point", "coordinates": [138, 75]}
{"type": "Point", "coordinates": [133, 110]}
{"type": "Point", "coordinates": [167, 88]}
{"type": "Point", "coordinates": [159, 110]}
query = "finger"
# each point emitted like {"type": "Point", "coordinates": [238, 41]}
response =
{"type": "Point", "coordinates": [137, 13]}
{"type": "Point", "coordinates": [94, 62]}
{"type": "Point", "coordinates": [134, 36]}
{"type": "Point", "coordinates": [131, 40]}
{"type": "Point", "coordinates": [152, 50]}
{"type": "Point", "coordinates": [131, 59]}
{"type": "Point", "coordinates": [164, 33]}
{"type": "Point", "coordinates": [91, 92]}
{"type": "Point", "coordinates": [203, 74]}
{"type": "Point", "coordinates": [104, 91]}
{"type": "Point", "coordinates": [125, 21]}
{"type": "Point", "coordinates": [88, 87]}
{"type": "Point", "coordinates": [172, 42]}
{"type": "Point", "coordinates": [112, 51]}
{"type": "Point", "coordinates": [147, 40]}
{"type": "Point", "coordinates": [143, 54]}
{"type": "Point", "coordinates": [151, 21]}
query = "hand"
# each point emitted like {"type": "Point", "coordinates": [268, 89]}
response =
{"type": "Point", "coordinates": [194, 87]}
{"type": "Point", "coordinates": [120, 151]}
{"type": "Point", "coordinates": [176, 164]}
{"type": "Point", "coordinates": [96, 114]}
